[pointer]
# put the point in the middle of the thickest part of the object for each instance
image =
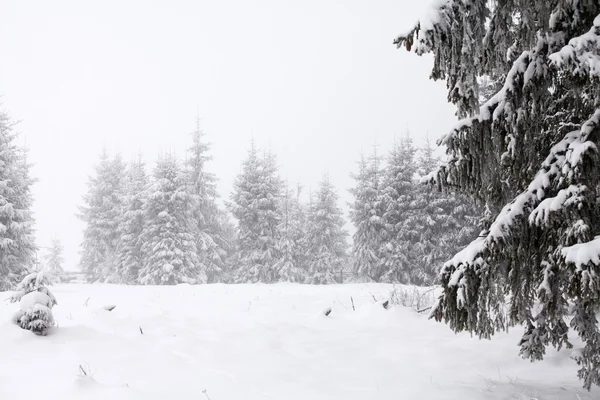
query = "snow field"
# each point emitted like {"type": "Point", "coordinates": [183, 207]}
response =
{"type": "Point", "coordinates": [229, 342]}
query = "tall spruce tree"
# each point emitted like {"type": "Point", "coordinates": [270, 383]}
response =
{"type": "Point", "coordinates": [255, 203]}
{"type": "Point", "coordinates": [291, 263]}
{"type": "Point", "coordinates": [132, 222]}
{"type": "Point", "coordinates": [17, 245]}
{"type": "Point", "coordinates": [399, 196]}
{"type": "Point", "coordinates": [326, 237]}
{"type": "Point", "coordinates": [101, 214]}
{"type": "Point", "coordinates": [445, 222]}
{"type": "Point", "coordinates": [54, 259]}
{"type": "Point", "coordinates": [367, 216]}
{"type": "Point", "coordinates": [529, 153]}
{"type": "Point", "coordinates": [211, 242]}
{"type": "Point", "coordinates": [169, 248]}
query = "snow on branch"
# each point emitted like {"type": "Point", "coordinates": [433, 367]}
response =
{"type": "Point", "coordinates": [560, 163]}
{"type": "Point", "coordinates": [582, 254]}
{"type": "Point", "coordinates": [581, 56]}
{"type": "Point", "coordinates": [564, 198]}
{"type": "Point", "coordinates": [420, 33]}
{"type": "Point", "coordinates": [494, 107]}
{"type": "Point", "coordinates": [586, 259]}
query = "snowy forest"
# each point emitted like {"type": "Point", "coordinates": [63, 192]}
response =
{"type": "Point", "coordinates": [170, 226]}
{"type": "Point", "coordinates": [502, 233]}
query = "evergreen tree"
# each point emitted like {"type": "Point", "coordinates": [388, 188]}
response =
{"type": "Point", "coordinates": [445, 222]}
{"type": "Point", "coordinates": [256, 206]}
{"type": "Point", "coordinates": [529, 153]}
{"type": "Point", "coordinates": [35, 304]}
{"type": "Point", "coordinates": [169, 246]}
{"type": "Point", "coordinates": [17, 244]}
{"type": "Point", "coordinates": [326, 237]}
{"type": "Point", "coordinates": [399, 196]}
{"type": "Point", "coordinates": [132, 223]}
{"type": "Point", "coordinates": [54, 258]}
{"type": "Point", "coordinates": [427, 162]}
{"type": "Point", "coordinates": [211, 242]}
{"type": "Point", "coordinates": [291, 265]}
{"type": "Point", "coordinates": [367, 216]}
{"type": "Point", "coordinates": [101, 214]}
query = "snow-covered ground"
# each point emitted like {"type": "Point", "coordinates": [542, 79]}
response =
{"type": "Point", "coordinates": [243, 342]}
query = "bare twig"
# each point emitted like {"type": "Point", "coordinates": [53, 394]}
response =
{"type": "Point", "coordinates": [352, 300]}
{"type": "Point", "coordinates": [206, 394]}
{"type": "Point", "coordinates": [141, 330]}
{"type": "Point", "coordinates": [84, 370]}
{"type": "Point", "coordinates": [86, 302]}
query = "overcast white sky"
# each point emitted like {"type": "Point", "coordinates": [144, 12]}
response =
{"type": "Point", "coordinates": [316, 79]}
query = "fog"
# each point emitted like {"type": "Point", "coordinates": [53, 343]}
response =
{"type": "Point", "coordinates": [314, 81]}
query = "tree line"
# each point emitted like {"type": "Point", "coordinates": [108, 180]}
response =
{"type": "Point", "coordinates": [169, 228]}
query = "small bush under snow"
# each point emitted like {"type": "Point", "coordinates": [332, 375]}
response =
{"type": "Point", "coordinates": [35, 304]}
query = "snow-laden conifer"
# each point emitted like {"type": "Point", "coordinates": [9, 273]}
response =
{"type": "Point", "coordinates": [367, 216]}
{"type": "Point", "coordinates": [17, 244]}
{"type": "Point", "coordinates": [255, 203]}
{"type": "Point", "coordinates": [211, 241]}
{"type": "Point", "coordinates": [54, 259]}
{"type": "Point", "coordinates": [326, 237]}
{"type": "Point", "coordinates": [292, 250]}
{"type": "Point", "coordinates": [398, 196]}
{"type": "Point", "coordinates": [530, 154]}
{"type": "Point", "coordinates": [169, 248]}
{"type": "Point", "coordinates": [101, 214]}
{"type": "Point", "coordinates": [35, 303]}
{"type": "Point", "coordinates": [132, 223]}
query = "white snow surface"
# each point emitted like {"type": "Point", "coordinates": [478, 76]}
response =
{"type": "Point", "coordinates": [263, 342]}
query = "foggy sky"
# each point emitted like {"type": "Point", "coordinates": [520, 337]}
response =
{"type": "Point", "coordinates": [314, 80]}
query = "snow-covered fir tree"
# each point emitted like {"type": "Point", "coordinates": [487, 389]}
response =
{"type": "Point", "coordinates": [54, 259]}
{"type": "Point", "coordinates": [292, 252]}
{"type": "Point", "coordinates": [17, 245]}
{"type": "Point", "coordinates": [426, 160]}
{"type": "Point", "coordinates": [169, 248]}
{"type": "Point", "coordinates": [399, 196]}
{"type": "Point", "coordinates": [367, 216]}
{"type": "Point", "coordinates": [255, 203]}
{"type": "Point", "coordinates": [326, 237]}
{"type": "Point", "coordinates": [132, 222]}
{"type": "Point", "coordinates": [211, 242]}
{"type": "Point", "coordinates": [101, 215]}
{"type": "Point", "coordinates": [35, 304]}
{"type": "Point", "coordinates": [529, 153]}
{"type": "Point", "coordinates": [444, 223]}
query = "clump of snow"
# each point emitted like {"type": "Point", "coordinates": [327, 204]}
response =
{"type": "Point", "coordinates": [565, 197]}
{"type": "Point", "coordinates": [431, 17]}
{"type": "Point", "coordinates": [31, 299]}
{"type": "Point", "coordinates": [583, 253]}
{"type": "Point", "coordinates": [582, 53]}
